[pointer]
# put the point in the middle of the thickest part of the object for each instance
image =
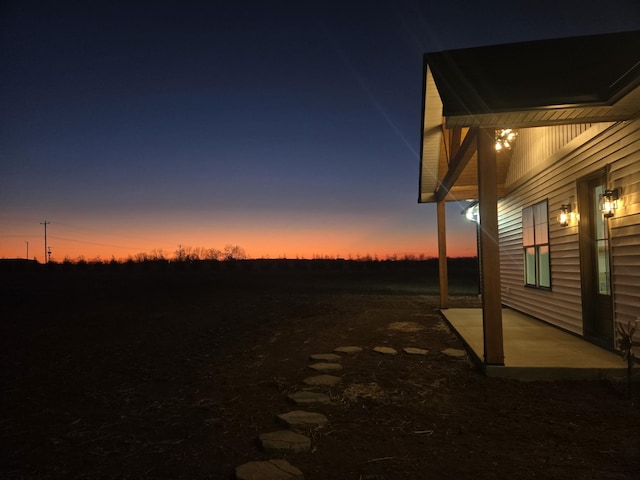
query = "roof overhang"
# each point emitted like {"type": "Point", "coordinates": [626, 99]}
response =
{"type": "Point", "coordinates": [431, 137]}
{"type": "Point", "coordinates": [550, 82]}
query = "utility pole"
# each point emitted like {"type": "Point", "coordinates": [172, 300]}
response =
{"type": "Point", "coordinates": [46, 250]}
{"type": "Point", "coordinates": [27, 249]}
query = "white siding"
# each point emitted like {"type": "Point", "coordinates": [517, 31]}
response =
{"type": "Point", "coordinates": [585, 151]}
{"type": "Point", "coordinates": [535, 145]}
{"type": "Point", "coordinates": [625, 227]}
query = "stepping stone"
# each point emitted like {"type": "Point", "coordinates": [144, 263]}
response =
{"type": "Point", "coordinates": [386, 350]}
{"type": "Point", "coordinates": [326, 357]}
{"type": "Point", "coordinates": [415, 351]}
{"type": "Point", "coordinates": [454, 352]}
{"type": "Point", "coordinates": [302, 419]}
{"type": "Point", "coordinates": [348, 350]}
{"type": "Point", "coordinates": [325, 367]}
{"type": "Point", "coordinates": [308, 398]}
{"type": "Point", "coordinates": [275, 469]}
{"type": "Point", "coordinates": [284, 441]}
{"type": "Point", "coordinates": [323, 380]}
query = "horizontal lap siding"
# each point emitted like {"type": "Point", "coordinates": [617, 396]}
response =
{"type": "Point", "coordinates": [537, 144]}
{"type": "Point", "coordinates": [618, 147]}
{"type": "Point", "coordinates": [625, 225]}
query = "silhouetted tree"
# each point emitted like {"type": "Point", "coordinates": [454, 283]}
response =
{"type": "Point", "coordinates": [213, 254]}
{"type": "Point", "coordinates": [234, 252]}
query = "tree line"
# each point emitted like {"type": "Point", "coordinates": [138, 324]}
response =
{"type": "Point", "coordinates": [190, 254]}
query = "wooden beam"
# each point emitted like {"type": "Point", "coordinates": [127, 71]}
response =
{"type": "Point", "coordinates": [469, 192]}
{"type": "Point", "coordinates": [489, 248]}
{"type": "Point", "coordinates": [456, 136]}
{"type": "Point", "coordinates": [442, 255]}
{"type": "Point", "coordinates": [457, 164]}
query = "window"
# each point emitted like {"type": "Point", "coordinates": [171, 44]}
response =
{"type": "Point", "coordinates": [535, 241]}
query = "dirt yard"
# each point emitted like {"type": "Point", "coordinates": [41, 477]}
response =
{"type": "Point", "coordinates": [175, 374]}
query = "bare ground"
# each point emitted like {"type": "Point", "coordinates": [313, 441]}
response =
{"type": "Point", "coordinates": [151, 375]}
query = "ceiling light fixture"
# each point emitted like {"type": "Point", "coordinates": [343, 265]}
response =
{"type": "Point", "coordinates": [505, 138]}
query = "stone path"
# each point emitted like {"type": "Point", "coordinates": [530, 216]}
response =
{"type": "Point", "coordinates": [270, 470]}
{"type": "Point", "coordinates": [303, 419]}
{"type": "Point", "coordinates": [325, 367]}
{"type": "Point", "coordinates": [454, 352]}
{"type": "Point", "coordinates": [284, 440]}
{"type": "Point", "coordinates": [348, 349]}
{"type": "Point", "coordinates": [322, 380]}
{"type": "Point", "coordinates": [386, 350]}
{"type": "Point", "coordinates": [306, 397]}
{"type": "Point", "coordinates": [326, 357]}
{"type": "Point", "coordinates": [415, 351]}
{"type": "Point", "coordinates": [299, 422]}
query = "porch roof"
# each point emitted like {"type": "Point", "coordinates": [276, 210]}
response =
{"type": "Point", "coordinates": [549, 82]}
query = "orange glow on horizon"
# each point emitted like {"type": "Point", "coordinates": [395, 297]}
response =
{"type": "Point", "coordinates": [260, 236]}
{"type": "Point", "coordinates": [304, 245]}
{"type": "Point", "coordinates": [309, 249]}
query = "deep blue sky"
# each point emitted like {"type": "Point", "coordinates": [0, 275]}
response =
{"type": "Point", "coordinates": [289, 128]}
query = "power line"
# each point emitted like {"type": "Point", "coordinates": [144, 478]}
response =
{"type": "Point", "coordinates": [96, 243]}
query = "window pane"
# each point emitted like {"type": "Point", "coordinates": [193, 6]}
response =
{"type": "Point", "coordinates": [603, 267]}
{"type": "Point", "coordinates": [540, 218]}
{"type": "Point", "coordinates": [544, 269]}
{"type": "Point", "coordinates": [598, 219]}
{"type": "Point", "coordinates": [541, 233]}
{"type": "Point", "coordinates": [527, 227]}
{"type": "Point", "coordinates": [530, 266]}
{"type": "Point", "coordinates": [599, 222]}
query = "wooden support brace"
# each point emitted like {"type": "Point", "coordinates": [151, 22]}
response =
{"type": "Point", "coordinates": [459, 160]}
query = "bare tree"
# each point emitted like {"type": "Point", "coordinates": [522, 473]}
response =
{"type": "Point", "coordinates": [157, 254]}
{"type": "Point", "coordinates": [180, 254]}
{"type": "Point", "coordinates": [141, 257]}
{"type": "Point", "coordinates": [213, 254]}
{"type": "Point", "coordinates": [234, 252]}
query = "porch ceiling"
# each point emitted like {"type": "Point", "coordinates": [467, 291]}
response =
{"type": "Point", "coordinates": [550, 82]}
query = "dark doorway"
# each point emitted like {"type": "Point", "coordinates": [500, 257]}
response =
{"type": "Point", "coordinates": [595, 262]}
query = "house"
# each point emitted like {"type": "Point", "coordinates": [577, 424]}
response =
{"type": "Point", "coordinates": [545, 137]}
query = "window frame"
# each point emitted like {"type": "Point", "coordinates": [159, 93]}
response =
{"type": "Point", "coordinates": [535, 235]}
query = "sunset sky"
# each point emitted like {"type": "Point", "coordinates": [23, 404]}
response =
{"type": "Point", "coordinates": [287, 128]}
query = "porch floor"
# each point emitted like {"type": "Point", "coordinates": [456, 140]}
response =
{"type": "Point", "coordinates": [534, 350]}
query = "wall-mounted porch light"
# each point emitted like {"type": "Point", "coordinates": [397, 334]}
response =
{"type": "Point", "coordinates": [472, 212]}
{"type": "Point", "coordinates": [609, 202]}
{"type": "Point", "coordinates": [565, 215]}
{"type": "Point", "coordinates": [505, 138]}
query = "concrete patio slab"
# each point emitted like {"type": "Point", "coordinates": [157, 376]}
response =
{"type": "Point", "coordinates": [534, 350]}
